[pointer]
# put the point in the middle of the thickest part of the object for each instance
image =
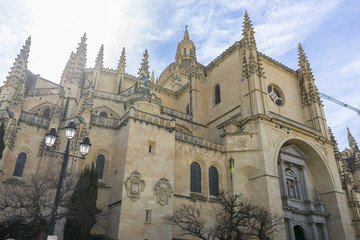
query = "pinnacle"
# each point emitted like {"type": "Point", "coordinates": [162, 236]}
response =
{"type": "Point", "coordinates": [20, 64]}
{"type": "Point", "coordinates": [300, 48]}
{"type": "Point", "coordinates": [248, 33]}
{"type": "Point", "coordinates": [352, 143]}
{"type": "Point", "coordinates": [186, 34]}
{"type": "Point", "coordinates": [26, 48]}
{"type": "Point", "coordinates": [122, 61]}
{"type": "Point", "coordinates": [152, 78]}
{"type": "Point", "coordinates": [302, 56]}
{"type": "Point", "coordinates": [247, 23]}
{"type": "Point", "coordinates": [144, 68]}
{"type": "Point", "coordinates": [67, 67]}
{"type": "Point", "coordinates": [83, 38]}
{"type": "Point", "coordinates": [82, 46]}
{"type": "Point", "coordinates": [246, 16]}
{"type": "Point", "coordinates": [75, 66]}
{"type": "Point", "coordinates": [305, 66]}
{"type": "Point", "coordinates": [24, 52]}
{"type": "Point", "coordinates": [81, 51]}
{"type": "Point", "coordinates": [100, 58]}
{"type": "Point", "coordinates": [332, 139]}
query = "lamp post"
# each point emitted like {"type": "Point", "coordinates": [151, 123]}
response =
{"type": "Point", "coordinates": [50, 139]}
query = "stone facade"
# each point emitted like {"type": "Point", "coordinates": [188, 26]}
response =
{"type": "Point", "coordinates": [256, 123]}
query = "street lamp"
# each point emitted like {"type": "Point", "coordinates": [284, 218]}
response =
{"type": "Point", "coordinates": [50, 139]}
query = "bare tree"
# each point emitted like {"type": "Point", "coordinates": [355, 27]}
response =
{"type": "Point", "coordinates": [263, 224]}
{"type": "Point", "coordinates": [29, 202]}
{"type": "Point", "coordinates": [234, 218]}
{"type": "Point", "coordinates": [188, 219]}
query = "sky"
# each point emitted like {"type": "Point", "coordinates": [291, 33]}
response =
{"type": "Point", "coordinates": [329, 31]}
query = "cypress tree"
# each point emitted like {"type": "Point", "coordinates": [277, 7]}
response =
{"type": "Point", "coordinates": [2, 136]}
{"type": "Point", "coordinates": [82, 210]}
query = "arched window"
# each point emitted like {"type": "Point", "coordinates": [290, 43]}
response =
{"type": "Point", "coordinates": [100, 164]}
{"type": "Point", "coordinates": [195, 177]}
{"type": "Point", "coordinates": [103, 114]}
{"type": "Point", "coordinates": [213, 181]}
{"type": "Point", "coordinates": [46, 113]}
{"type": "Point", "coordinates": [184, 51]}
{"type": "Point", "coordinates": [188, 109]}
{"type": "Point", "coordinates": [217, 94]}
{"type": "Point", "coordinates": [20, 163]}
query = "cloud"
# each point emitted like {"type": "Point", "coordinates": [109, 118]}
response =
{"type": "Point", "coordinates": [287, 24]}
{"type": "Point", "coordinates": [12, 33]}
{"type": "Point", "coordinates": [214, 25]}
{"type": "Point", "coordinates": [351, 69]}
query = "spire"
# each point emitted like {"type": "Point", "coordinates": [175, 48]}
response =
{"type": "Point", "coordinates": [251, 60]}
{"type": "Point", "coordinates": [122, 62]}
{"type": "Point", "coordinates": [152, 78]}
{"type": "Point", "coordinates": [18, 71]}
{"type": "Point", "coordinates": [352, 143]}
{"type": "Point", "coordinates": [100, 58]}
{"type": "Point", "coordinates": [333, 140]}
{"type": "Point", "coordinates": [185, 49]}
{"type": "Point", "coordinates": [144, 68]}
{"type": "Point", "coordinates": [81, 49]}
{"type": "Point", "coordinates": [81, 52]}
{"type": "Point", "coordinates": [68, 65]}
{"type": "Point", "coordinates": [186, 34]}
{"type": "Point", "coordinates": [309, 91]}
{"type": "Point", "coordinates": [75, 66]}
{"type": "Point", "coordinates": [26, 49]}
{"type": "Point", "coordinates": [248, 33]}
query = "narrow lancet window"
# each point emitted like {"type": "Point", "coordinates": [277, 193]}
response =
{"type": "Point", "coordinates": [100, 164]}
{"type": "Point", "coordinates": [20, 164]}
{"type": "Point", "coordinates": [195, 177]}
{"type": "Point", "coordinates": [217, 94]}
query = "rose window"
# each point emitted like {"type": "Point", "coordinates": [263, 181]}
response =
{"type": "Point", "coordinates": [275, 95]}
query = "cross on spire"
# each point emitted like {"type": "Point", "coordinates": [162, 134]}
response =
{"type": "Point", "coordinates": [186, 34]}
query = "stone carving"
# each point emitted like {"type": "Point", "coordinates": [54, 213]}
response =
{"type": "Point", "coordinates": [291, 188]}
{"type": "Point", "coordinates": [104, 122]}
{"type": "Point", "coordinates": [34, 119]}
{"type": "Point", "coordinates": [163, 190]}
{"type": "Point", "coordinates": [44, 91]}
{"type": "Point", "coordinates": [198, 141]}
{"type": "Point", "coordinates": [240, 142]}
{"type": "Point", "coordinates": [177, 114]}
{"type": "Point", "coordinates": [134, 185]}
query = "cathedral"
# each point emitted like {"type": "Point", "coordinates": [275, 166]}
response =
{"type": "Point", "coordinates": [244, 123]}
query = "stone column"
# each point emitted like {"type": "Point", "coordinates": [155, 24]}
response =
{"type": "Point", "coordinates": [314, 231]}
{"type": "Point", "coordinates": [299, 192]}
{"type": "Point", "coordinates": [306, 186]}
{"type": "Point", "coordinates": [325, 233]}
{"type": "Point", "coordinates": [291, 229]}
{"type": "Point", "coordinates": [282, 172]}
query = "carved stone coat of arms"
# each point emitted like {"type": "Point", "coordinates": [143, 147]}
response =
{"type": "Point", "coordinates": [163, 190]}
{"type": "Point", "coordinates": [134, 185]}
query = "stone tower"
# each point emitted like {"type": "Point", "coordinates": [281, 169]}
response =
{"type": "Point", "coordinates": [244, 124]}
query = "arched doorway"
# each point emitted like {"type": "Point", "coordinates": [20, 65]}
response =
{"type": "Point", "coordinates": [302, 174]}
{"type": "Point", "coordinates": [299, 233]}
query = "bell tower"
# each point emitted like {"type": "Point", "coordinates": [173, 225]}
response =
{"type": "Point", "coordinates": [185, 49]}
